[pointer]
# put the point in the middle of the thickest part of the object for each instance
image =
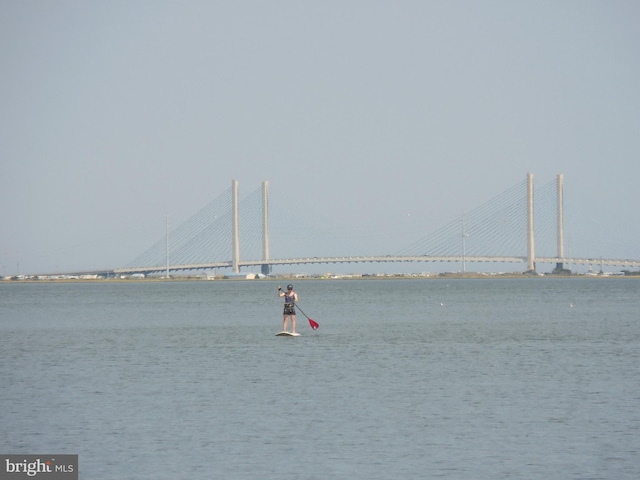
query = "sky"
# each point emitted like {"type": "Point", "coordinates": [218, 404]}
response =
{"type": "Point", "coordinates": [115, 114]}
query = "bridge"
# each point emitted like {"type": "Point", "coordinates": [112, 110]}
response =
{"type": "Point", "coordinates": [373, 259]}
{"type": "Point", "coordinates": [503, 230]}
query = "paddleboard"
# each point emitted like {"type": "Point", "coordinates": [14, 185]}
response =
{"type": "Point", "coordinates": [287, 334]}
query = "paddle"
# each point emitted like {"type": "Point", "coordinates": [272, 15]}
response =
{"type": "Point", "coordinates": [312, 322]}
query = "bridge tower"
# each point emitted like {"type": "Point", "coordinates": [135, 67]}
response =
{"type": "Point", "coordinates": [235, 236]}
{"type": "Point", "coordinates": [266, 269]}
{"type": "Point", "coordinates": [560, 200]}
{"type": "Point", "coordinates": [531, 256]}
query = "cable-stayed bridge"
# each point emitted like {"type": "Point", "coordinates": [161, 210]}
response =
{"type": "Point", "coordinates": [233, 233]}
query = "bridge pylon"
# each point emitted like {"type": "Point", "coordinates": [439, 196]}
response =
{"type": "Point", "coordinates": [560, 227]}
{"type": "Point", "coordinates": [531, 255]}
{"type": "Point", "coordinates": [266, 268]}
{"type": "Point", "coordinates": [235, 231]}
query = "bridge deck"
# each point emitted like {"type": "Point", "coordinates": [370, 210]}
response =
{"type": "Point", "coordinates": [381, 259]}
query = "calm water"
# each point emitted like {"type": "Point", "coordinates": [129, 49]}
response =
{"type": "Point", "coordinates": [453, 379]}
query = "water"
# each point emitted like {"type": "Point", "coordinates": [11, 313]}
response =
{"type": "Point", "coordinates": [483, 379]}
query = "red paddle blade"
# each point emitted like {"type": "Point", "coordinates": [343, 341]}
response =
{"type": "Point", "coordinates": [313, 324]}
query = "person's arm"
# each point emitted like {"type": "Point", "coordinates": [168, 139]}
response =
{"type": "Point", "coordinates": [280, 292]}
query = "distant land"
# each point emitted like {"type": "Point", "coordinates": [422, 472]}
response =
{"type": "Point", "coordinates": [326, 276]}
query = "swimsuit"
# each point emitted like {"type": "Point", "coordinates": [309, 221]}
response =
{"type": "Point", "coordinates": [289, 308]}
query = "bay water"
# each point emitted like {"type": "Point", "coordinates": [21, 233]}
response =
{"type": "Point", "coordinates": [531, 378]}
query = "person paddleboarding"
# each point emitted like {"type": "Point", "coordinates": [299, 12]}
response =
{"type": "Point", "coordinates": [290, 299]}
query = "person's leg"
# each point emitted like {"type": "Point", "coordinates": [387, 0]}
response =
{"type": "Point", "coordinates": [293, 323]}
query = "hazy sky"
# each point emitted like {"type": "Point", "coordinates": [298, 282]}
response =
{"type": "Point", "coordinates": [115, 113]}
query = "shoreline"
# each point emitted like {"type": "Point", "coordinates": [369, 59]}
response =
{"type": "Point", "coordinates": [329, 277]}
